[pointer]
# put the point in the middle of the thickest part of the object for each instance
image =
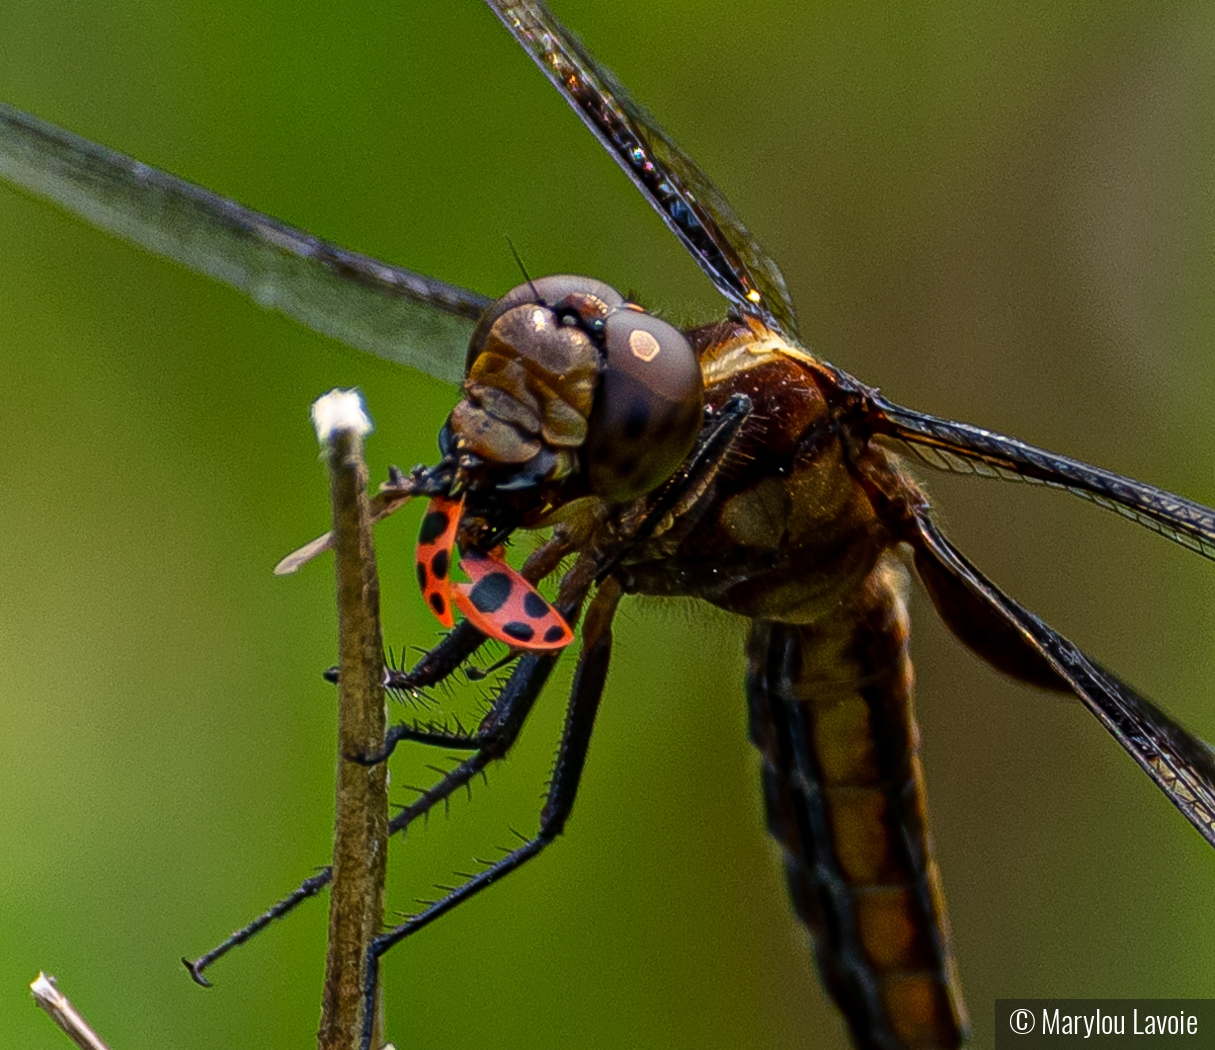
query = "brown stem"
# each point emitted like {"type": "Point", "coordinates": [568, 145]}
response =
{"type": "Point", "coordinates": [356, 903]}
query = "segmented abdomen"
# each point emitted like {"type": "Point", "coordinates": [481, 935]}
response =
{"type": "Point", "coordinates": [832, 715]}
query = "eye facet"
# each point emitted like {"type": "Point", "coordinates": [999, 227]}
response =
{"type": "Point", "coordinates": [648, 407]}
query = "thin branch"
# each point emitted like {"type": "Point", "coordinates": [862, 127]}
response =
{"type": "Point", "coordinates": [63, 1013]}
{"type": "Point", "coordinates": [356, 906]}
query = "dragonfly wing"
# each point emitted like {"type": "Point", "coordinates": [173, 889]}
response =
{"type": "Point", "coordinates": [1182, 766]}
{"type": "Point", "coordinates": [966, 449]}
{"type": "Point", "coordinates": [679, 191]}
{"type": "Point", "coordinates": [370, 305]}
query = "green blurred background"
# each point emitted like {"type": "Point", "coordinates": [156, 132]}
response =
{"type": "Point", "coordinates": [1003, 213]}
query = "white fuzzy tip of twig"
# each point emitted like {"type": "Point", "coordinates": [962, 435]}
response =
{"type": "Point", "coordinates": [44, 989]}
{"type": "Point", "coordinates": [339, 410]}
{"type": "Point", "coordinates": [60, 1010]}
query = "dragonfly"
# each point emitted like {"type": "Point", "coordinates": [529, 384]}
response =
{"type": "Point", "coordinates": [263, 293]}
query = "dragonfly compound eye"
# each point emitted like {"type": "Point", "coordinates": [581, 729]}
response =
{"type": "Point", "coordinates": [648, 409]}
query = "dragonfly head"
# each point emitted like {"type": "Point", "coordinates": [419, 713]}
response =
{"type": "Point", "coordinates": [571, 391]}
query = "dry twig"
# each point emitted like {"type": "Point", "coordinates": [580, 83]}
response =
{"type": "Point", "coordinates": [63, 1013]}
{"type": "Point", "coordinates": [356, 905]}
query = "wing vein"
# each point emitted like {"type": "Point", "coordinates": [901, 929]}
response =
{"type": "Point", "coordinates": [370, 305]}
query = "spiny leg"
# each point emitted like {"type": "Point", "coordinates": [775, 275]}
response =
{"type": "Point", "coordinates": [689, 482]}
{"type": "Point", "coordinates": [500, 725]}
{"type": "Point", "coordinates": [437, 663]}
{"type": "Point", "coordinates": [589, 678]}
{"type": "Point", "coordinates": [310, 887]}
{"type": "Point", "coordinates": [509, 712]}
{"type": "Point", "coordinates": [494, 737]}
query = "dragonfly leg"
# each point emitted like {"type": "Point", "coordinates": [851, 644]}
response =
{"type": "Point", "coordinates": [500, 727]}
{"type": "Point", "coordinates": [310, 887]}
{"type": "Point", "coordinates": [446, 657]}
{"type": "Point", "coordinates": [509, 713]}
{"type": "Point", "coordinates": [494, 737]}
{"type": "Point", "coordinates": [711, 450]}
{"type": "Point", "coordinates": [497, 731]}
{"type": "Point", "coordinates": [589, 679]}
{"type": "Point", "coordinates": [436, 664]}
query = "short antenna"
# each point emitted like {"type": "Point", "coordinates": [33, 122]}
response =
{"type": "Point", "coordinates": [523, 269]}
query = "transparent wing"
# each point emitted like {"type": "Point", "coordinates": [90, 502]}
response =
{"type": "Point", "coordinates": [370, 305]}
{"type": "Point", "coordinates": [679, 191]}
{"type": "Point", "coordinates": [1182, 766]}
{"type": "Point", "coordinates": [965, 449]}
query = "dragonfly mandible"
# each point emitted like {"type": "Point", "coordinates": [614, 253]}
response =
{"type": "Point", "coordinates": [571, 133]}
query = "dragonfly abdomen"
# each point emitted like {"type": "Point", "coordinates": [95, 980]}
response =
{"type": "Point", "coordinates": [831, 713]}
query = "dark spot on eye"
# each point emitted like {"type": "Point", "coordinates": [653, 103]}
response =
{"type": "Point", "coordinates": [433, 526]}
{"type": "Point", "coordinates": [554, 634]}
{"type": "Point", "coordinates": [438, 604]}
{"type": "Point", "coordinates": [423, 578]}
{"type": "Point", "coordinates": [490, 594]}
{"type": "Point", "coordinates": [636, 420]}
{"type": "Point", "coordinates": [519, 631]}
{"type": "Point", "coordinates": [626, 467]}
{"type": "Point", "coordinates": [439, 565]}
{"type": "Point", "coordinates": [534, 605]}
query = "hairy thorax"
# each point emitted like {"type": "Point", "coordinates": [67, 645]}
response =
{"type": "Point", "coordinates": [783, 532]}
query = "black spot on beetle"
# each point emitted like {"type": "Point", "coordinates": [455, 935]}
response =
{"type": "Point", "coordinates": [519, 631]}
{"type": "Point", "coordinates": [433, 526]}
{"type": "Point", "coordinates": [535, 606]}
{"type": "Point", "coordinates": [438, 604]}
{"type": "Point", "coordinates": [554, 634]}
{"type": "Point", "coordinates": [439, 565]}
{"type": "Point", "coordinates": [490, 594]}
{"type": "Point", "coordinates": [423, 577]}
